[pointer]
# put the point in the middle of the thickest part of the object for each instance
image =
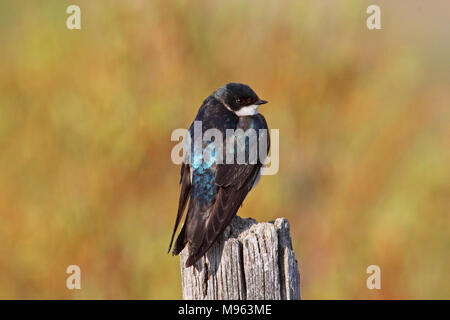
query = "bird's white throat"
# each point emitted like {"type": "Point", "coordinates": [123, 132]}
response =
{"type": "Point", "coordinates": [247, 111]}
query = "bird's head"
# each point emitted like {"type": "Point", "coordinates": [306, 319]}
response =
{"type": "Point", "coordinates": [239, 98]}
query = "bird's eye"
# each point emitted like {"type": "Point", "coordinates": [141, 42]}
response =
{"type": "Point", "coordinates": [238, 100]}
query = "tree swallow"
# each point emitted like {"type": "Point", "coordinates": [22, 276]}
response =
{"type": "Point", "coordinates": [216, 186]}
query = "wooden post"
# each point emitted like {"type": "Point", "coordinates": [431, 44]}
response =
{"type": "Point", "coordinates": [251, 261]}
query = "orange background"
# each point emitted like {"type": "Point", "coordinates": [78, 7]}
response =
{"type": "Point", "coordinates": [86, 117]}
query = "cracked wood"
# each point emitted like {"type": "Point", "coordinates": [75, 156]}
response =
{"type": "Point", "coordinates": [251, 261]}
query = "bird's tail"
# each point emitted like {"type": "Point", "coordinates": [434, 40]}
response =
{"type": "Point", "coordinates": [180, 243]}
{"type": "Point", "coordinates": [192, 233]}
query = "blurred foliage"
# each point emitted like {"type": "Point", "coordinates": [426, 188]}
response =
{"type": "Point", "coordinates": [86, 117]}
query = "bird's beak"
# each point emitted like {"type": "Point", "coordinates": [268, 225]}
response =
{"type": "Point", "coordinates": [261, 102]}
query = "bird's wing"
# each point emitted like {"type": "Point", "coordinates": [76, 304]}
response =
{"type": "Point", "coordinates": [238, 179]}
{"type": "Point", "coordinates": [185, 182]}
{"type": "Point", "coordinates": [234, 181]}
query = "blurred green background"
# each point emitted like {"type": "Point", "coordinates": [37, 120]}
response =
{"type": "Point", "coordinates": [86, 117]}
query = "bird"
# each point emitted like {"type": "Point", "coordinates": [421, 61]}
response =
{"type": "Point", "coordinates": [216, 189]}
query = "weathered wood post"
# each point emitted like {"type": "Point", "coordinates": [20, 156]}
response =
{"type": "Point", "coordinates": [251, 261]}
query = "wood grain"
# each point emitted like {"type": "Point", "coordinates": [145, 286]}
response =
{"type": "Point", "coordinates": [250, 261]}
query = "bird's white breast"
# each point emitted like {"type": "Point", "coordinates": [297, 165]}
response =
{"type": "Point", "coordinates": [247, 111]}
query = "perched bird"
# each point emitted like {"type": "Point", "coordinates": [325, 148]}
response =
{"type": "Point", "coordinates": [215, 189]}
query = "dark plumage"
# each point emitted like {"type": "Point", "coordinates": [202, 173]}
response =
{"type": "Point", "coordinates": [216, 190]}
